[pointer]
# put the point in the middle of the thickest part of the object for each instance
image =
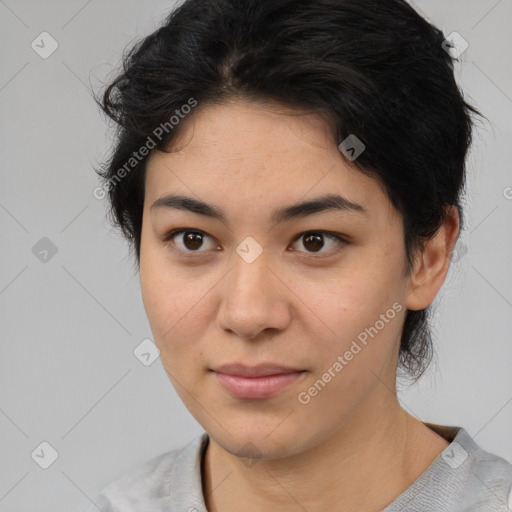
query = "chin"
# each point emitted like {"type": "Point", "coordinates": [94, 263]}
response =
{"type": "Point", "coordinates": [258, 443]}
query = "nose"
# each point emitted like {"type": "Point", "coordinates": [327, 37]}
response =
{"type": "Point", "coordinates": [254, 299]}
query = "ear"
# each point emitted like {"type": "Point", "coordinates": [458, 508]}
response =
{"type": "Point", "coordinates": [432, 263]}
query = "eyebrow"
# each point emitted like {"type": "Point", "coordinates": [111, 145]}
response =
{"type": "Point", "coordinates": [329, 202]}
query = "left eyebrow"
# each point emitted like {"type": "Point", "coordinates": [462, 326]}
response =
{"type": "Point", "coordinates": [328, 202]}
{"type": "Point", "coordinates": [324, 203]}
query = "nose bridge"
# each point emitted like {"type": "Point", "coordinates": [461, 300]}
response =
{"type": "Point", "coordinates": [249, 282]}
{"type": "Point", "coordinates": [250, 301]}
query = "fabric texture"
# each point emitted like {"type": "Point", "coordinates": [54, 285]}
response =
{"type": "Point", "coordinates": [463, 478]}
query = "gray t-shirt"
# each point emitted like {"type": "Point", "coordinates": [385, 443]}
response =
{"type": "Point", "coordinates": [463, 478]}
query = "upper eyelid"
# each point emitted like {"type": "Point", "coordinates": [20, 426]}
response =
{"type": "Point", "coordinates": [325, 232]}
{"type": "Point", "coordinates": [179, 231]}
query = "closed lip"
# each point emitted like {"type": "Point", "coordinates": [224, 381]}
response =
{"type": "Point", "coordinates": [260, 370]}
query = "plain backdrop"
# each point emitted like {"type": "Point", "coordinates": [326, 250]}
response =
{"type": "Point", "coordinates": [70, 304]}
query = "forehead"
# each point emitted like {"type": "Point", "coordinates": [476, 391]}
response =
{"type": "Point", "coordinates": [246, 129]}
{"type": "Point", "coordinates": [245, 152]}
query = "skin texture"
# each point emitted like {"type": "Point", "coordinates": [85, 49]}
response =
{"type": "Point", "coordinates": [352, 447]}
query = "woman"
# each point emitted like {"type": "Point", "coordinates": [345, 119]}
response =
{"type": "Point", "coordinates": [289, 176]}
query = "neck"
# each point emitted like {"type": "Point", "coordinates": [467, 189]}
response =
{"type": "Point", "coordinates": [364, 465]}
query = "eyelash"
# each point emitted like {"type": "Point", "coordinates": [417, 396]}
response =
{"type": "Point", "coordinates": [195, 254]}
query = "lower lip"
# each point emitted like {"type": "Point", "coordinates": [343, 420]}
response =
{"type": "Point", "coordinates": [256, 388]}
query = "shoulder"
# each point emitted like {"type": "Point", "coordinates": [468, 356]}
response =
{"type": "Point", "coordinates": [489, 480]}
{"type": "Point", "coordinates": [463, 478]}
{"type": "Point", "coordinates": [481, 480]}
{"type": "Point", "coordinates": [149, 486]}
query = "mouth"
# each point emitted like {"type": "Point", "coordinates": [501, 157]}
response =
{"type": "Point", "coordinates": [259, 370]}
{"type": "Point", "coordinates": [257, 387]}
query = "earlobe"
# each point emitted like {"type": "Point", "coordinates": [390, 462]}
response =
{"type": "Point", "coordinates": [432, 263]}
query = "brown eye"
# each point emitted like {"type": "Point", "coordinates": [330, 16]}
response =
{"type": "Point", "coordinates": [315, 241]}
{"type": "Point", "coordinates": [191, 241]}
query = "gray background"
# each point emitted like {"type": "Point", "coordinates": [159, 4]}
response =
{"type": "Point", "coordinates": [69, 325]}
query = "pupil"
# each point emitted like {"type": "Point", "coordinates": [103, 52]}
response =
{"type": "Point", "coordinates": [192, 240]}
{"type": "Point", "coordinates": [316, 240]}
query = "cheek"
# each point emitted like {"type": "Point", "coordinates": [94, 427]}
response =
{"type": "Point", "coordinates": [361, 307]}
{"type": "Point", "coordinates": [176, 304]}
{"type": "Point", "coordinates": [364, 329]}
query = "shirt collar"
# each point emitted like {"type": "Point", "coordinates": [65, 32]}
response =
{"type": "Point", "coordinates": [186, 481]}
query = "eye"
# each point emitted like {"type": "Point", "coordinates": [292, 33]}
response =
{"type": "Point", "coordinates": [191, 242]}
{"type": "Point", "coordinates": [315, 241]}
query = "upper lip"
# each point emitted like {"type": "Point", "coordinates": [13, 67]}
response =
{"type": "Point", "coordinates": [259, 370]}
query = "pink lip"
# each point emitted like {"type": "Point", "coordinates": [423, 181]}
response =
{"type": "Point", "coordinates": [256, 388]}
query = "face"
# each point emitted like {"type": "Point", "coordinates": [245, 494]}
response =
{"type": "Point", "coordinates": [321, 290]}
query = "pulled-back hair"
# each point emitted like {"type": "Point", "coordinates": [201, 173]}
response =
{"type": "Point", "coordinates": [372, 68]}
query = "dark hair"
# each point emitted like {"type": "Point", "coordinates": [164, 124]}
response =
{"type": "Point", "coordinates": [374, 69]}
